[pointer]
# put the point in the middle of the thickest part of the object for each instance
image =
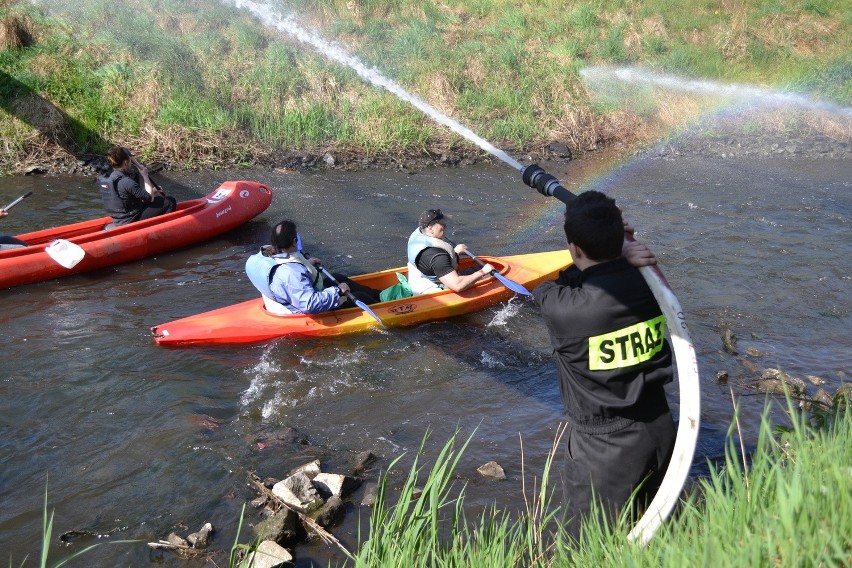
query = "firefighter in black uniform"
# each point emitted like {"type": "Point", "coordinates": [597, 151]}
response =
{"type": "Point", "coordinates": [606, 330]}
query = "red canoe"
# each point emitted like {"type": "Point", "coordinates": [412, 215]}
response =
{"type": "Point", "coordinates": [231, 205]}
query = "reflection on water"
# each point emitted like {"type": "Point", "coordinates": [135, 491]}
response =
{"type": "Point", "coordinates": [143, 438]}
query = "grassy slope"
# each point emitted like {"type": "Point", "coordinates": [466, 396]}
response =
{"type": "Point", "coordinates": [197, 82]}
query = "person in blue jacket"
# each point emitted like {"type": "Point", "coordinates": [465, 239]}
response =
{"type": "Point", "coordinates": [290, 281]}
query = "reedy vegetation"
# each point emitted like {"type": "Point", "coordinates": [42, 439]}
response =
{"type": "Point", "coordinates": [790, 506]}
{"type": "Point", "coordinates": [198, 83]}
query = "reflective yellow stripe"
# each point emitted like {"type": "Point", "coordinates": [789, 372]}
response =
{"type": "Point", "coordinates": [627, 347]}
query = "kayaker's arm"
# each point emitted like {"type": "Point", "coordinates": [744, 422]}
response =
{"type": "Point", "coordinates": [457, 282]}
{"type": "Point", "coordinates": [151, 187]}
{"type": "Point", "coordinates": [293, 283]}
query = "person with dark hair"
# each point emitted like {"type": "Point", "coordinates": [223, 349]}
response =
{"type": "Point", "coordinates": [290, 282]}
{"type": "Point", "coordinates": [612, 360]}
{"type": "Point", "coordinates": [125, 200]}
{"type": "Point", "coordinates": [433, 260]}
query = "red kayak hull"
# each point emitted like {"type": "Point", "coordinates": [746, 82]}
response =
{"type": "Point", "coordinates": [226, 208]}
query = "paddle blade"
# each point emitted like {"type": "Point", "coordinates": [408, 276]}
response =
{"type": "Point", "coordinates": [364, 307]}
{"type": "Point", "coordinates": [512, 285]}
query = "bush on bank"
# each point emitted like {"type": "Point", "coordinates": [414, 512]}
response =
{"type": "Point", "coordinates": [198, 83]}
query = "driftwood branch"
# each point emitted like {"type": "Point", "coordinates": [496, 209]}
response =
{"type": "Point", "coordinates": [183, 549]}
{"type": "Point", "coordinates": [326, 536]}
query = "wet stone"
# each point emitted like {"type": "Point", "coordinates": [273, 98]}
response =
{"type": "Point", "coordinates": [201, 539]}
{"type": "Point", "coordinates": [329, 484]}
{"type": "Point", "coordinates": [310, 469]}
{"type": "Point", "coordinates": [331, 512]}
{"type": "Point", "coordinates": [268, 555]}
{"type": "Point", "coordinates": [775, 381]}
{"type": "Point", "coordinates": [282, 527]}
{"type": "Point", "coordinates": [492, 469]}
{"type": "Point", "coordinates": [299, 493]}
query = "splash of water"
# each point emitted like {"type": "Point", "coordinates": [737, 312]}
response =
{"type": "Point", "coordinates": [288, 25]}
{"type": "Point", "coordinates": [633, 75]}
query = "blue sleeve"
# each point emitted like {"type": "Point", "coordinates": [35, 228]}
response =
{"type": "Point", "coordinates": [292, 285]}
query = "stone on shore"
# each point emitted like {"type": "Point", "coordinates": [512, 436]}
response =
{"type": "Point", "coordinates": [267, 555]}
{"type": "Point", "coordinates": [311, 469]}
{"type": "Point", "coordinates": [775, 381]}
{"type": "Point", "coordinates": [492, 469]}
{"type": "Point", "coordinates": [329, 484]}
{"type": "Point", "coordinates": [201, 539]}
{"type": "Point", "coordinates": [298, 493]}
{"type": "Point", "coordinates": [331, 513]}
{"type": "Point", "coordinates": [283, 527]}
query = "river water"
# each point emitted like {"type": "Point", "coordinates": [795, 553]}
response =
{"type": "Point", "coordinates": [130, 436]}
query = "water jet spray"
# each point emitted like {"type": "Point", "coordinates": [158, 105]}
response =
{"type": "Point", "coordinates": [535, 176]}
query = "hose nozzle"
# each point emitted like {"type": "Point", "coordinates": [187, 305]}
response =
{"type": "Point", "coordinates": [535, 176]}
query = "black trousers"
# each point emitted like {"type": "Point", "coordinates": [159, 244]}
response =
{"type": "Point", "coordinates": [9, 240]}
{"type": "Point", "coordinates": [609, 463]}
{"type": "Point", "coordinates": [363, 293]}
{"type": "Point", "coordinates": [158, 206]}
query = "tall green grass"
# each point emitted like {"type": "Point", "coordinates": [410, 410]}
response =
{"type": "Point", "coordinates": [790, 506]}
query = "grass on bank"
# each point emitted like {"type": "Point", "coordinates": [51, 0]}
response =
{"type": "Point", "coordinates": [790, 506]}
{"type": "Point", "coordinates": [143, 72]}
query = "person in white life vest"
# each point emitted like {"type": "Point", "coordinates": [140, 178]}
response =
{"type": "Point", "coordinates": [290, 282]}
{"type": "Point", "coordinates": [433, 260]}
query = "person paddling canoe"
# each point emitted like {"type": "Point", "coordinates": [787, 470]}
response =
{"type": "Point", "coordinates": [433, 260]}
{"type": "Point", "coordinates": [125, 200]}
{"type": "Point", "coordinates": [291, 283]}
{"type": "Point", "coordinates": [9, 242]}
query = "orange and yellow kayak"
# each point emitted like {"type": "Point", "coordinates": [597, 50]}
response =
{"type": "Point", "coordinates": [250, 322]}
{"type": "Point", "coordinates": [229, 206]}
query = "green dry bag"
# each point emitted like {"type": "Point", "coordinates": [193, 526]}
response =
{"type": "Point", "coordinates": [397, 291]}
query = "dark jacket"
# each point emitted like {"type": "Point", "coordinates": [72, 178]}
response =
{"type": "Point", "coordinates": [124, 198]}
{"type": "Point", "coordinates": [606, 330]}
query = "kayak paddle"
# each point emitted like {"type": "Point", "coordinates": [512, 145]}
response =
{"type": "Point", "coordinates": [140, 167]}
{"type": "Point", "coordinates": [18, 200]}
{"type": "Point", "coordinates": [510, 284]}
{"type": "Point", "coordinates": [349, 295]}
